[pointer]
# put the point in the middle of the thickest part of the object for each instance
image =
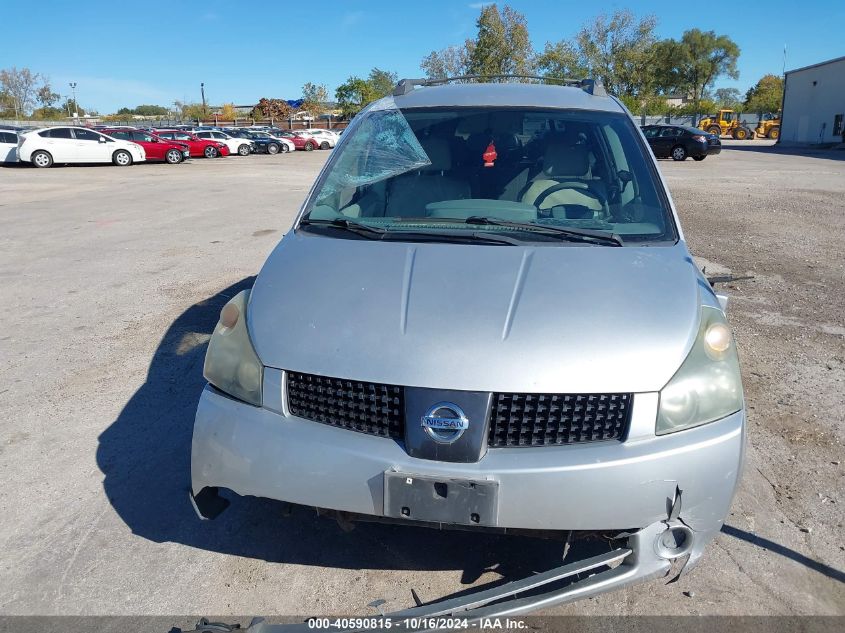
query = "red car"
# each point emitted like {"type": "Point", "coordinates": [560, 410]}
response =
{"type": "Point", "coordinates": [301, 141]}
{"type": "Point", "coordinates": [156, 148]}
{"type": "Point", "coordinates": [198, 147]}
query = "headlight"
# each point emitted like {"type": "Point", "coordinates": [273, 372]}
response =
{"type": "Point", "coordinates": [708, 386]}
{"type": "Point", "coordinates": [231, 363]}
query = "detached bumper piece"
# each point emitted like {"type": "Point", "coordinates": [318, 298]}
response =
{"type": "Point", "coordinates": [567, 583]}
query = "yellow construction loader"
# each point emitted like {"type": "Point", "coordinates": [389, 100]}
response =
{"type": "Point", "coordinates": [726, 123]}
{"type": "Point", "coordinates": [769, 126]}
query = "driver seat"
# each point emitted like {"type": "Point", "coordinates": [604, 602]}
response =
{"type": "Point", "coordinates": [567, 169]}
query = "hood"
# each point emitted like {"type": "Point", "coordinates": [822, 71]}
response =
{"type": "Point", "coordinates": [552, 319]}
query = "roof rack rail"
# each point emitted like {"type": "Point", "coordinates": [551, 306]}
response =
{"type": "Point", "coordinates": [588, 85]}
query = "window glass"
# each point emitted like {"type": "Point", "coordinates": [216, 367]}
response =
{"type": "Point", "coordinates": [435, 168]}
{"type": "Point", "coordinates": [670, 132]}
{"type": "Point", "coordinates": [204, 134]}
{"type": "Point", "coordinates": [142, 136]}
{"type": "Point", "coordinates": [60, 132]}
{"type": "Point", "coordinates": [86, 135]}
{"type": "Point", "coordinates": [8, 137]}
{"type": "Point", "coordinates": [122, 135]}
{"type": "Point", "coordinates": [650, 132]}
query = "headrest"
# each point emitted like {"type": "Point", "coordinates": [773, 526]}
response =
{"type": "Point", "coordinates": [562, 161]}
{"type": "Point", "coordinates": [438, 153]}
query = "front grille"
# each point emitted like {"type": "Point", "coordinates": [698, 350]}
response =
{"type": "Point", "coordinates": [365, 407]}
{"type": "Point", "coordinates": [538, 419]}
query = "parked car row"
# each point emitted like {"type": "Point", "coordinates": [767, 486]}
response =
{"type": "Point", "coordinates": [125, 145]}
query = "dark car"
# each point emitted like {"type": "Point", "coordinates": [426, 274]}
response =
{"type": "Point", "coordinates": [678, 142]}
{"type": "Point", "coordinates": [261, 143]}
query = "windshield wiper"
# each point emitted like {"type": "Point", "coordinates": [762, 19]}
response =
{"type": "Point", "coordinates": [373, 232]}
{"type": "Point", "coordinates": [380, 233]}
{"type": "Point", "coordinates": [568, 233]}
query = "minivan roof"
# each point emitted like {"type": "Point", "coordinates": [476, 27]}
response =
{"type": "Point", "coordinates": [506, 95]}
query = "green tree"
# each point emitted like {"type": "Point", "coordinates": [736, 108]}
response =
{"type": "Point", "coordinates": [352, 95]}
{"type": "Point", "coordinates": [730, 98]}
{"type": "Point", "coordinates": [693, 64]}
{"type": "Point", "coordinates": [45, 95]}
{"type": "Point", "coordinates": [314, 98]}
{"type": "Point", "coordinates": [21, 88]}
{"type": "Point", "coordinates": [48, 113]}
{"type": "Point", "coordinates": [766, 95]}
{"type": "Point", "coordinates": [150, 110]}
{"type": "Point", "coordinates": [125, 112]}
{"type": "Point", "coordinates": [502, 46]}
{"type": "Point", "coordinates": [70, 107]}
{"type": "Point", "coordinates": [620, 51]}
{"type": "Point", "coordinates": [452, 61]}
{"type": "Point", "coordinates": [381, 83]}
{"type": "Point", "coordinates": [560, 59]}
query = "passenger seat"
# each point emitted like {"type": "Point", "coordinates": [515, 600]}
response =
{"type": "Point", "coordinates": [408, 194]}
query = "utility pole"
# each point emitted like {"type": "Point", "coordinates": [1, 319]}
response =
{"type": "Point", "coordinates": [75, 107]}
{"type": "Point", "coordinates": [202, 90]}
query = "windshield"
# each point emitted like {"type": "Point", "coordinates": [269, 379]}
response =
{"type": "Point", "coordinates": [444, 169]}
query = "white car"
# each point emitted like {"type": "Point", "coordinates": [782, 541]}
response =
{"type": "Point", "coordinates": [71, 144]}
{"type": "Point", "coordinates": [8, 146]}
{"type": "Point", "coordinates": [326, 139]}
{"type": "Point", "coordinates": [240, 146]}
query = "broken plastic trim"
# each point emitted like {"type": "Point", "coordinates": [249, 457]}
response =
{"type": "Point", "coordinates": [488, 603]}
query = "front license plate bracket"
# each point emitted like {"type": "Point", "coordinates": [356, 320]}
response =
{"type": "Point", "coordinates": [440, 499]}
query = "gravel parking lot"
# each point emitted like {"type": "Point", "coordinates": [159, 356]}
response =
{"type": "Point", "coordinates": [112, 279]}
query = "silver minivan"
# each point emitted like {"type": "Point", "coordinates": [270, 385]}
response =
{"type": "Point", "coordinates": [485, 317]}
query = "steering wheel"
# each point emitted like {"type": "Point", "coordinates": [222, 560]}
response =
{"type": "Point", "coordinates": [592, 193]}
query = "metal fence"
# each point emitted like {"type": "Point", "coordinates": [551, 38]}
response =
{"type": "Point", "coordinates": [750, 120]}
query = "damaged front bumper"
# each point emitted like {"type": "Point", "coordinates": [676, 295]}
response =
{"type": "Point", "coordinates": [666, 496]}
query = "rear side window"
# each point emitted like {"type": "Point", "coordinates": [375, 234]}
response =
{"type": "Point", "coordinates": [61, 132]}
{"type": "Point", "coordinates": [8, 137]}
{"type": "Point", "coordinates": [121, 135]}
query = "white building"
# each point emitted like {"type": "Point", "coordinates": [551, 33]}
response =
{"type": "Point", "coordinates": [814, 104]}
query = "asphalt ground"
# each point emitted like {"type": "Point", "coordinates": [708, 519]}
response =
{"type": "Point", "coordinates": [111, 280]}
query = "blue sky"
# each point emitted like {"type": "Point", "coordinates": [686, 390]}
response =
{"type": "Point", "coordinates": [123, 54]}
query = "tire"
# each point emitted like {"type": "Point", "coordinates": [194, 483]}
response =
{"type": "Point", "coordinates": [324, 145]}
{"type": "Point", "coordinates": [173, 157]}
{"type": "Point", "coordinates": [309, 146]}
{"type": "Point", "coordinates": [740, 134]}
{"type": "Point", "coordinates": [122, 158]}
{"type": "Point", "coordinates": [285, 149]}
{"type": "Point", "coordinates": [699, 158]}
{"type": "Point", "coordinates": [210, 152]}
{"type": "Point", "coordinates": [774, 133]}
{"type": "Point", "coordinates": [273, 148]}
{"type": "Point", "coordinates": [243, 150]}
{"type": "Point", "coordinates": [679, 153]}
{"type": "Point", "coordinates": [41, 159]}
{"type": "Point", "coordinates": [715, 129]}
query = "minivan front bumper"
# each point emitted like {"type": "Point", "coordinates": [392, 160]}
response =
{"type": "Point", "coordinates": [602, 486]}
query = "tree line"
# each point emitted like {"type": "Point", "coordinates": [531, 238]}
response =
{"type": "Point", "coordinates": [621, 49]}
